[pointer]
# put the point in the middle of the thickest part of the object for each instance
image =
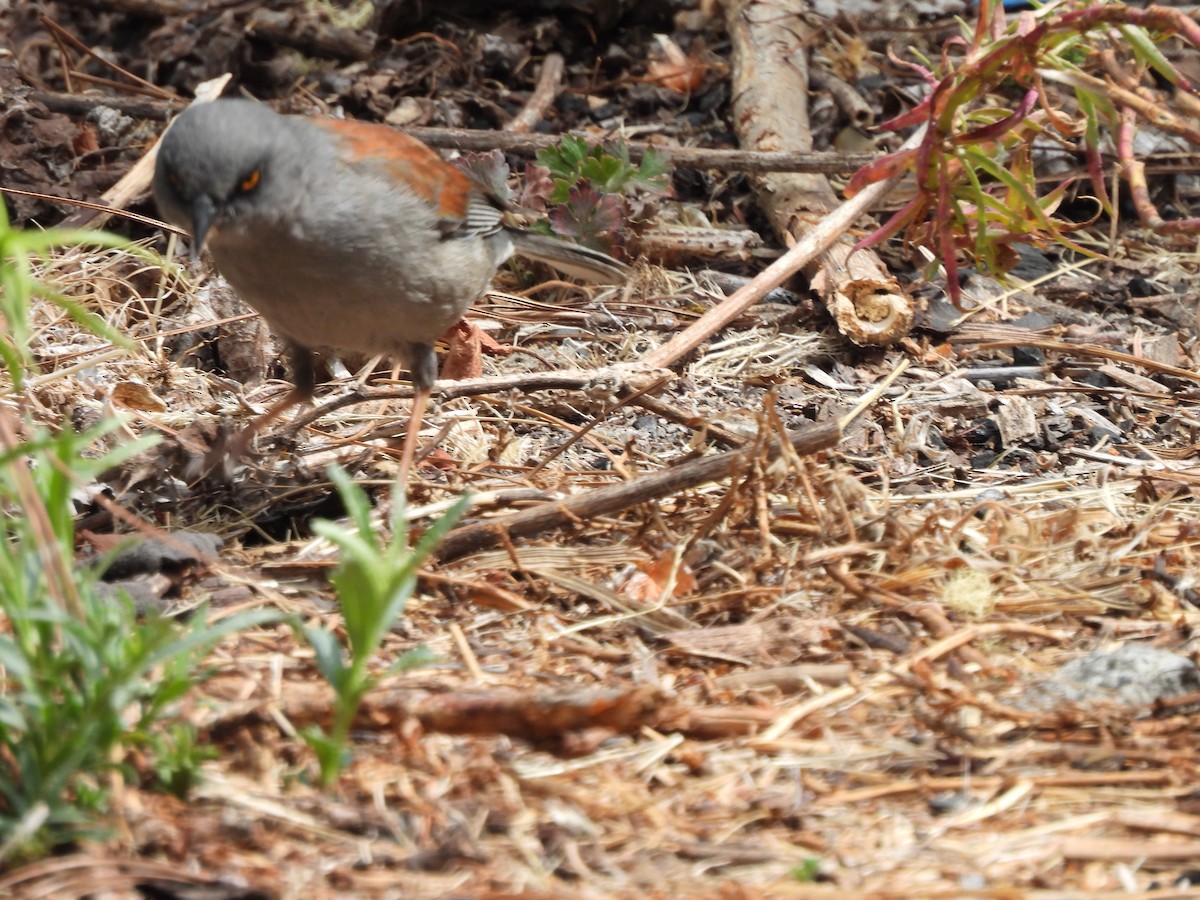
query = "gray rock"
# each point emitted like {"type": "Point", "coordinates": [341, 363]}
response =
{"type": "Point", "coordinates": [1131, 675]}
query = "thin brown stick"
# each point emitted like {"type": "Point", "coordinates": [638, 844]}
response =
{"type": "Point", "coordinates": [577, 434]}
{"type": "Point", "coordinates": [616, 497]}
{"type": "Point", "coordinates": [97, 208]}
{"type": "Point", "coordinates": [788, 719]}
{"type": "Point", "coordinates": [586, 430]}
{"type": "Point", "coordinates": [822, 236]}
{"type": "Point", "coordinates": [114, 84]}
{"type": "Point", "coordinates": [1058, 346]}
{"type": "Point", "coordinates": [989, 783]}
{"type": "Point", "coordinates": [717, 432]}
{"type": "Point", "coordinates": [928, 614]}
{"type": "Point", "coordinates": [721, 159]}
{"type": "Point", "coordinates": [830, 163]}
{"type": "Point", "coordinates": [82, 104]}
{"type": "Point", "coordinates": [140, 85]}
{"type": "Point", "coordinates": [613, 378]}
{"type": "Point", "coordinates": [549, 83]}
{"type": "Point", "coordinates": [64, 57]}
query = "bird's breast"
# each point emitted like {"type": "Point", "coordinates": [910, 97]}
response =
{"type": "Point", "coordinates": [373, 292]}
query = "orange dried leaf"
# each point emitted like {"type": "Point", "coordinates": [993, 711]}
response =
{"type": "Point", "coordinates": [465, 357]}
{"type": "Point", "coordinates": [677, 70]}
{"type": "Point", "coordinates": [133, 395]}
{"type": "Point", "coordinates": [653, 580]}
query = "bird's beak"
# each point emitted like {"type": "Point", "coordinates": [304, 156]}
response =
{"type": "Point", "coordinates": [204, 212]}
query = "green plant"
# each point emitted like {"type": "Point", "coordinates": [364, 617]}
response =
{"type": "Point", "coordinates": [374, 580]}
{"type": "Point", "coordinates": [591, 186]}
{"type": "Point", "coordinates": [575, 163]}
{"type": "Point", "coordinates": [586, 190]}
{"type": "Point", "coordinates": [83, 681]}
{"type": "Point", "coordinates": [807, 871]}
{"type": "Point", "coordinates": [976, 194]}
{"type": "Point", "coordinates": [18, 286]}
{"type": "Point", "coordinates": [176, 758]}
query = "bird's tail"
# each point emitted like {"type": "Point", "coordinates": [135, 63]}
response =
{"type": "Point", "coordinates": [570, 259]}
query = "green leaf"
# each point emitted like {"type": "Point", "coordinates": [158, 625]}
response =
{"type": "Point", "coordinates": [439, 529]}
{"type": "Point", "coordinates": [331, 754]}
{"type": "Point", "coordinates": [1146, 51]}
{"type": "Point", "coordinates": [807, 871]}
{"type": "Point", "coordinates": [202, 636]}
{"type": "Point", "coordinates": [607, 173]}
{"type": "Point", "coordinates": [328, 653]}
{"type": "Point", "coordinates": [653, 172]}
{"type": "Point", "coordinates": [358, 507]}
{"type": "Point", "coordinates": [564, 160]}
{"type": "Point", "coordinates": [416, 658]}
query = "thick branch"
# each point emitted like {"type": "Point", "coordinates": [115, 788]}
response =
{"type": "Point", "coordinates": [770, 91]}
{"type": "Point", "coordinates": [515, 142]}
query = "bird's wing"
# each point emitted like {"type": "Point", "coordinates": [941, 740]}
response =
{"type": "Point", "coordinates": [461, 207]}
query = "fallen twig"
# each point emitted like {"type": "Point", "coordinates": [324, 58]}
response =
{"type": "Point", "coordinates": [1058, 346]}
{"type": "Point", "coordinates": [829, 163]}
{"type": "Point", "coordinates": [815, 241]}
{"type": "Point", "coordinates": [616, 497]}
{"type": "Point", "coordinates": [610, 380]}
{"type": "Point", "coordinates": [548, 85]}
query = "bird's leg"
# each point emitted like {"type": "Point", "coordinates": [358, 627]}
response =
{"type": "Point", "coordinates": [227, 453]}
{"type": "Point", "coordinates": [420, 401]}
{"type": "Point", "coordinates": [423, 362]}
{"type": "Point", "coordinates": [304, 382]}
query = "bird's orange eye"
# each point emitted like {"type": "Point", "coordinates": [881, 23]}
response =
{"type": "Point", "coordinates": [250, 182]}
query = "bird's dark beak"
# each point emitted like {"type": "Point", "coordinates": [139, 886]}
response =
{"type": "Point", "coordinates": [204, 212]}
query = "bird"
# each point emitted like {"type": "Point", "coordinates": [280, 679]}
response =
{"type": "Point", "coordinates": [346, 236]}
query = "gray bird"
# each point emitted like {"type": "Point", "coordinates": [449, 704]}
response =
{"type": "Point", "coordinates": [345, 236]}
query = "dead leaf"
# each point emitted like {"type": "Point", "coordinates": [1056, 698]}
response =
{"type": "Point", "coordinates": [782, 638]}
{"type": "Point", "coordinates": [133, 395]}
{"type": "Point", "coordinates": [677, 70]}
{"type": "Point", "coordinates": [85, 140]}
{"type": "Point", "coordinates": [465, 356]}
{"type": "Point", "coordinates": [651, 582]}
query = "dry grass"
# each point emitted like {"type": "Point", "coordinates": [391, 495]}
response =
{"type": "Point", "coordinates": [881, 733]}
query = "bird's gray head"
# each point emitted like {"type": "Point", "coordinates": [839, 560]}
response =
{"type": "Point", "coordinates": [229, 161]}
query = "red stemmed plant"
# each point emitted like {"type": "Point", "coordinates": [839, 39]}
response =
{"type": "Point", "coordinates": [975, 187]}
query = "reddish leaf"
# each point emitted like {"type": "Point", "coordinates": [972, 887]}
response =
{"type": "Point", "coordinates": [539, 184]}
{"type": "Point", "coordinates": [465, 357]}
{"type": "Point", "coordinates": [880, 170]}
{"type": "Point", "coordinates": [676, 70]}
{"type": "Point", "coordinates": [589, 216]}
{"type": "Point", "coordinates": [653, 579]}
{"type": "Point", "coordinates": [996, 129]}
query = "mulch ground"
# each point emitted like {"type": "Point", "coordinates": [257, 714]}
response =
{"type": "Point", "coordinates": [814, 673]}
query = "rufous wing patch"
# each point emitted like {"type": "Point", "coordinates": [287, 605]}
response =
{"type": "Point", "coordinates": [444, 187]}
